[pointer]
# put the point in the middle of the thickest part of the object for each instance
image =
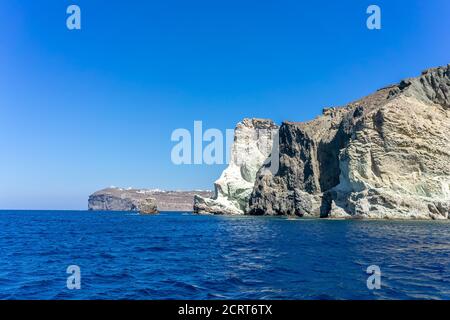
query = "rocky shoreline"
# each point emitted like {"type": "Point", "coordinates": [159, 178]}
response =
{"type": "Point", "coordinates": [386, 156]}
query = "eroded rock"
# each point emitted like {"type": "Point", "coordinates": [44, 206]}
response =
{"type": "Point", "coordinates": [252, 146]}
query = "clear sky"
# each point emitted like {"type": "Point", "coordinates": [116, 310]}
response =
{"type": "Point", "coordinates": [86, 109]}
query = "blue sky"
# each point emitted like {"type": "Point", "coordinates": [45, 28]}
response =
{"type": "Point", "coordinates": [81, 110]}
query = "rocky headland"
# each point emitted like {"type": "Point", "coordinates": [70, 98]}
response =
{"type": "Point", "coordinates": [142, 200]}
{"type": "Point", "coordinates": [384, 156]}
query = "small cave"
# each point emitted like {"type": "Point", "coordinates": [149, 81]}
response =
{"type": "Point", "coordinates": [326, 205]}
{"type": "Point", "coordinates": [330, 171]}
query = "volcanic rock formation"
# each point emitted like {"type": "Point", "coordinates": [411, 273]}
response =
{"type": "Point", "coordinates": [384, 156]}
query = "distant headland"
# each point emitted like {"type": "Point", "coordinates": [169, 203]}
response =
{"type": "Point", "coordinates": [145, 201]}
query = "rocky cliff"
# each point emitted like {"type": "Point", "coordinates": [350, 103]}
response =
{"type": "Point", "coordinates": [384, 156]}
{"type": "Point", "coordinates": [252, 145]}
{"type": "Point", "coordinates": [117, 199]}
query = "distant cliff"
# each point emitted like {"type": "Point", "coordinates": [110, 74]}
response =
{"type": "Point", "coordinates": [141, 200]}
{"type": "Point", "coordinates": [386, 156]}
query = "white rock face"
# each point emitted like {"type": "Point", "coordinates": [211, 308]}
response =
{"type": "Point", "coordinates": [252, 146]}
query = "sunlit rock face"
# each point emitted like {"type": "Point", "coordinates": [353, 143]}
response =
{"type": "Point", "coordinates": [384, 156]}
{"type": "Point", "coordinates": [252, 145]}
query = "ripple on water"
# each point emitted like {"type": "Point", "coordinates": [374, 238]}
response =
{"type": "Point", "coordinates": [185, 256]}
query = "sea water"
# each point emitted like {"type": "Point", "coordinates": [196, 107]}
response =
{"type": "Point", "coordinates": [186, 256]}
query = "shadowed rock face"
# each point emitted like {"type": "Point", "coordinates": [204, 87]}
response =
{"type": "Point", "coordinates": [384, 156]}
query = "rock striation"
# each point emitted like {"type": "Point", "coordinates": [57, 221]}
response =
{"type": "Point", "coordinates": [253, 139]}
{"type": "Point", "coordinates": [384, 156]}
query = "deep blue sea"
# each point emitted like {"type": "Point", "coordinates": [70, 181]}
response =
{"type": "Point", "coordinates": [185, 256]}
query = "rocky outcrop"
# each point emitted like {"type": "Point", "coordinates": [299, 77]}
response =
{"type": "Point", "coordinates": [384, 156]}
{"type": "Point", "coordinates": [147, 206]}
{"type": "Point", "coordinates": [117, 199]}
{"type": "Point", "coordinates": [252, 145]}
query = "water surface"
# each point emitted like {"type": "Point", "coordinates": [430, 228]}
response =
{"type": "Point", "coordinates": [185, 256]}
